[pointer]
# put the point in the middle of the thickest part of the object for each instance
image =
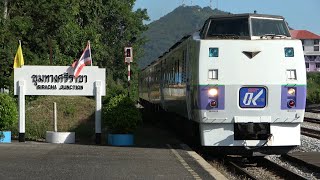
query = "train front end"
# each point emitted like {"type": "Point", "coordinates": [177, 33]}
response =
{"type": "Point", "coordinates": [252, 83]}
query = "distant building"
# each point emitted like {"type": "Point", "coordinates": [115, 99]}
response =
{"type": "Point", "coordinates": [310, 42]}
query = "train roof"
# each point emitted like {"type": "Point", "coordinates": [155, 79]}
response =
{"type": "Point", "coordinates": [245, 15]}
{"type": "Point", "coordinates": [179, 42]}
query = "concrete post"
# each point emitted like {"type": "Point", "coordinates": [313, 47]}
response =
{"type": "Point", "coordinates": [98, 111]}
{"type": "Point", "coordinates": [55, 117]}
{"type": "Point", "coordinates": [22, 120]}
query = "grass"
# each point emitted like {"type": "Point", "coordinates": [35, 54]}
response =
{"type": "Point", "coordinates": [74, 113]}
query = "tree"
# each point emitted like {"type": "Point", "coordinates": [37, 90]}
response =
{"type": "Point", "coordinates": [65, 26]}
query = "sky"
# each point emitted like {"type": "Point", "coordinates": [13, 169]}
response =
{"type": "Point", "coordinates": [300, 14]}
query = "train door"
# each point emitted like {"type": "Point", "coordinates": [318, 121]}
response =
{"type": "Point", "coordinates": [188, 81]}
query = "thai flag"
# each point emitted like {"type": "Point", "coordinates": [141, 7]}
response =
{"type": "Point", "coordinates": [85, 59]}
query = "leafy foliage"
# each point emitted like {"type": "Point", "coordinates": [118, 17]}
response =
{"type": "Point", "coordinates": [313, 88]}
{"type": "Point", "coordinates": [8, 112]}
{"type": "Point", "coordinates": [65, 26]}
{"type": "Point", "coordinates": [120, 115]}
{"type": "Point", "coordinates": [163, 33]}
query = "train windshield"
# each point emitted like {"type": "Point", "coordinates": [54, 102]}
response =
{"type": "Point", "coordinates": [228, 28]}
{"type": "Point", "coordinates": [266, 27]}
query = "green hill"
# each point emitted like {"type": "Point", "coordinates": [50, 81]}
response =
{"type": "Point", "coordinates": [163, 33]}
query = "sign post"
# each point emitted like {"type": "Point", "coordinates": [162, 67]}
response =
{"type": "Point", "coordinates": [59, 81]}
{"type": "Point", "coordinates": [22, 120]}
{"type": "Point", "coordinates": [128, 58]}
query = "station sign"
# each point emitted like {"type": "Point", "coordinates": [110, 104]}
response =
{"type": "Point", "coordinates": [59, 80]}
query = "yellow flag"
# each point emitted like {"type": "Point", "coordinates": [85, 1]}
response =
{"type": "Point", "coordinates": [18, 59]}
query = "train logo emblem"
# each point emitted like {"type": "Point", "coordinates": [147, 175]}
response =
{"type": "Point", "coordinates": [253, 97]}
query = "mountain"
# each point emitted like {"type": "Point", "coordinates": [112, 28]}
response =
{"type": "Point", "coordinates": [166, 31]}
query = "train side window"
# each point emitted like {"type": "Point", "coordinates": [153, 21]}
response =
{"type": "Point", "coordinates": [291, 74]}
{"type": "Point", "coordinates": [213, 74]}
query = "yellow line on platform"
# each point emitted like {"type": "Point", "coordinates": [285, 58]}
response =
{"type": "Point", "coordinates": [184, 163]}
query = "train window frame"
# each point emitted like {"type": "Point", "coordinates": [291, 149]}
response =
{"type": "Point", "coordinates": [286, 28]}
{"type": "Point", "coordinates": [248, 36]}
{"type": "Point", "coordinates": [204, 30]}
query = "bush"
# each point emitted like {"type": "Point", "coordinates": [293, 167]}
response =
{"type": "Point", "coordinates": [313, 86]}
{"type": "Point", "coordinates": [120, 115]}
{"type": "Point", "coordinates": [8, 112]}
{"type": "Point", "coordinates": [113, 89]}
{"type": "Point", "coordinates": [313, 97]}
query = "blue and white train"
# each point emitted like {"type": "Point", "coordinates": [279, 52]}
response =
{"type": "Point", "coordinates": [240, 80]}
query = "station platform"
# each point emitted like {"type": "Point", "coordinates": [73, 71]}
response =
{"type": "Point", "coordinates": [157, 154]}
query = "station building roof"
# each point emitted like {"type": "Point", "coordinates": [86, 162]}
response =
{"type": "Point", "coordinates": [303, 34]}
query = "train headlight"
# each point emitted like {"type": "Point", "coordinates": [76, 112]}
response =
{"type": "Point", "coordinates": [289, 52]}
{"type": "Point", "coordinates": [213, 92]}
{"type": "Point", "coordinates": [213, 52]}
{"type": "Point", "coordinates": [291, 92]}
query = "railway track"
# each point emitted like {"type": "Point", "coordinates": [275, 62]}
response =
{"type": "Point", "coordinates": [304, 159]}
{"type": "Point", "coordinates": [247, 169]}
{"type": "Point", "coordinates": [310, 132]}
{"type": "Point", "coordinates": [312, 120]}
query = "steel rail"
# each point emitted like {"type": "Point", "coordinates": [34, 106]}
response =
{"type": "Point", "coordinates": [310, 132]}
{"type": "Point", "coordinates": [272, 167]}
{"type": "Point", "coordinates": [300, 162]}
{"type": "Point", "coordinates": [312, 120]}
{"type": "Point", "coordinates": [241, 170]}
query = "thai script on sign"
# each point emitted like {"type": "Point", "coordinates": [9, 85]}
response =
{"type": "Point", "coordinates": [62, 78]}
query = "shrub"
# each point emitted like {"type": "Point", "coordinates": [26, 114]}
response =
{"type": "Point", "coordinates": [313, 85]}
{"type": "Point", "coordinates": [113, 89]}
{"type": "Point", "coordinates": [8, 112]}
{"type": "Point", "coordinates": [120, 115]}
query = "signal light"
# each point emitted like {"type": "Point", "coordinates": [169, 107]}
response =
{"type": "Point", "coordinates": [128, 55]}
{"type": "Point", "coordinates": [128, 52]}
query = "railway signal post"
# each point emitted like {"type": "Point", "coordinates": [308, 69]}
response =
{"type": "Point", "coordinates": [128, 58]}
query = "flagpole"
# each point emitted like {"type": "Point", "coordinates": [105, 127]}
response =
{"type": "Point", "coordinates": [90, 52]}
